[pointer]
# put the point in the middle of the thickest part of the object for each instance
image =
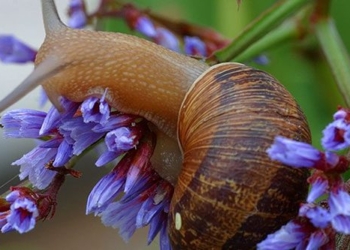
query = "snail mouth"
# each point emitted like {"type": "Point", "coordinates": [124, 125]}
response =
{"type": "Point", "coordinates": [132, 195]}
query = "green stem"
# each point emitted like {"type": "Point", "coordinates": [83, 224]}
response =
{"type": "Point", "coordinates": [258, 28]}
{"type": "Point", "coordinates": [336, 55]}
{"type": "Point", "coordinates": [286, 32]}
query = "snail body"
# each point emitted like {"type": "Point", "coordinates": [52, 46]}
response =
{"type": "Point", "coordinates": [228, 193]}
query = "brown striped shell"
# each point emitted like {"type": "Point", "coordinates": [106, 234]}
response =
{"type": "Point", "coordinates": [229, 194]}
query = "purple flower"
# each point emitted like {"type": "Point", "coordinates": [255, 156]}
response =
{"type": "Point", "coordinates": [145, 26]}
{"type": "Point", "coordinates": [64, 154]}
{"type": "Point", "coordinates": [139, 167]}
{"type": "Point", "coordinates": [339, 206]}
{"type": "Point", "coordinates": [77, 19]}
{"type": "Point", "coordinates": [317, 239]}
{"type": "Point", "coordinates": [336, 136]}
{"type": "Point", "coordinates": [332, 158]}
{"type": "Point", "coordinates": [318, 221]}
{"type": "Point", "coordinates": [167, 39]}
{"type": "Point", "coordinates": [318, 216]}
{"type": "Point", "coordinates": [96, 110]}
{"type": "Point", "coordinates": [115, 121]}
{"type": "Point", "coordinates": [262, 60]}
{"type": "Point", "coordinates": [22, 215]}
{"type": "Point", "coordinates": [13, 50]}
{"type": "Point", "coordinates": [318, 188]}
{"type": "Point", "coordinates": [194, 46]}
{"type": "Point", "coordinates": [148, 208]}
{"type": "Point", "coordinates": [79, 133]}
{"type": "Point", "coordinates": [33, 166]}
{"type": "Point", "coordinates": [288, 237]}
{"type": "Point", "coordinates": [145, 196]}
{"type": "Point", "coordinates": [293, 153]}
{"type": "Point", "coordinates": [341, 114]}
{"type": "Point", "coordinates": [164, 241]}
{"type": "Point", "coordinates": [122, 139]}
{"type": "Point", "coordinates": [118, 141]}
{"type": "Point", "coordinates": [153, 206]}
{"type": "Point", "coordinates": [109, 187]}
{"type": "Point", "coordinates": [107, 157]}
{"type": "Point", "coordinates": [77, 14]}
{"type": "Point", "coordinates": [54, 118]}
{"type": "Point", "coordinates": [23, 123]}
{"type": "Point", "coordinates": [122, 216]}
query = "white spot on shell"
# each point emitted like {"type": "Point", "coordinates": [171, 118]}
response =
{"type": "Point", "coordinates": [178, 221]}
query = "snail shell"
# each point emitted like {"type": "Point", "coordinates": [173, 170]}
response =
{"type": "Point", "coordinates": [229, 194]}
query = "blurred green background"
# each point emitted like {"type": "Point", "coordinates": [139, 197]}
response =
{"type": "Point", "coordinates": [298, 65]}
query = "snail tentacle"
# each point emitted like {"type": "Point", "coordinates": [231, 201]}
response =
{"type": "Point", "coordinates": [47, 69]}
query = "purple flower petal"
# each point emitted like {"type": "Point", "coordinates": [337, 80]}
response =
{"type": "Point", "coordinates": [194, 46]}
{"type": "Point", "coordinates": [332, 158]}
{"type": "Point", "coordinates": [147, 212]}
{"type": "Point", "coordinates": [54, 118]}
{"type": "Point", "coordinates": [14, 195]}
{"type": "Point", "coordinates": [77, 19]}
{"type": "Point", "coordinates": [293, 153]}
{"type": "Point", "coordinates": [53, 143]}
{"type": "Point", "coordinates": [107, 157]}
{"type": "Point", "coordinates": [106, 190]}
{"type": "Point", "coordinates": [140, 166]}
{"type": "Point", "coordinates": [145, 26]}
{"type": "Point", "coordinates": [341, 224]}
{"type": "Point", "coordinates": [23, 123]}
{"type": "Point", "coordinates": [122, 216]}
{"type": "Point", "coordinates": [339, 202]}
{"type": "Point", "coordinates": [288, 237]}
{"type": "Point", "coordinates": [23, 215]}
{"type": "Point", "coordinates": [122, 139]}
{"type": "Point", "coordinates": [317, 239]}
{"type": "Point", "coordinates": [13, 50]}
{"type": "Point", "coordinates": [76, 130]}
{"type": "Point", "coordinates": [341, 114]}
{"type": "Point", "coordinates": [64, 154]}
{"type": "Point", "coordinates": [156, 225]}
{"type": "Point", "coordinates": [261, 59]}
{"type": "Point", "coordinates": [333, 135]}
{"type": "Point", "coordinates": [318, 216]}
{"type": "Point", "coordinates": [96, 110]}
{"type": "Point", "coordinates": [339, 206]}
{"type": "Point", "coordinates": [318, 188]}
{"type": "Point", "coordinates": [164, 241]}
{"type": "Point", "coordinates": [167, 39]}
{"type": "Point", "coordinates": [33, 166]}
{"type": "Point", "coordinates": [114, 121]}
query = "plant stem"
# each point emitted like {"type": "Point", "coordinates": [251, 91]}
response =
{"type": "Point", "coordinates": [286, 32]}
{"type": "Point", "coordinates": [336, 55]}
{"type": "Point", "coordinates": [258, 28]}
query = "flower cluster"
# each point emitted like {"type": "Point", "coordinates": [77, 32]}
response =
{"type": "Point", "coordinates": [64, 136]}
{"type": "Point", "coordinates": [193, 45]}
{"type": "Point", "coordinates": [327, 207]}
{"type": "Point", "coordinates": [18, 212]}
{"type": "Point", "coordinates": [186, 38]}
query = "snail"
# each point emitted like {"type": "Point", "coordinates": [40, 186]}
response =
{"type": "Point", "coordinates": [213, 127]}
